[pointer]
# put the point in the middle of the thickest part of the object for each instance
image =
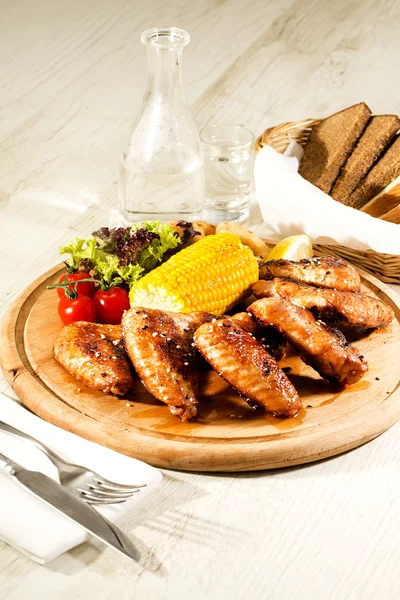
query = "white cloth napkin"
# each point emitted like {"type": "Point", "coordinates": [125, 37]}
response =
{"type": "Point", "coordinates": [28, 524]}
{"type": "Point", "coordinates": [291, 205]}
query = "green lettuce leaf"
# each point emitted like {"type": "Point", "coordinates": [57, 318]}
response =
{"type": "Point", "coordinates": [80, 249]}
{"type": "Point", "coordinates": [123, 255]}
{"type": "Point", "coordinates": [111, 273]}
{"type": "Point", "coordinates": [154, 253]}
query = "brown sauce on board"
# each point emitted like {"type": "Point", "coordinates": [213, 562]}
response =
{"type": "Point", "coordinates": [286, 424]}
{"type": "Point", "coordinates": [164, 421]}
{"type": "Point", "coordinates": [216, 414]}
{"type": "Point", "coordinates": [220, 404]}
{"type": "Point", "coordinates": [330, 400]}
{"type": "Point", "coordinates": [225, 407]}
{"type": "Point", "coordinates": [360, 386]}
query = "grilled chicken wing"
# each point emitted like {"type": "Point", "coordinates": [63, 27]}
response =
{"type": "Point", "coordinates": [341, 308]}
{"type": "Point", "coordinates": [244, 363]}
{"type": "Point", "coordinates": [270, 339]}
{"type": "Point", "coordinates": [159, 344]}
{"type": "Point", "coordinates": [325, 349]}
{"type": "Point", "coordinates": [327, 272]}
{"type": "Point", "coordinates": [95, 355]}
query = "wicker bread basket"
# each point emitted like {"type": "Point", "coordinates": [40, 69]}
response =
{"type": "Point", "coordinates": [384, 266]}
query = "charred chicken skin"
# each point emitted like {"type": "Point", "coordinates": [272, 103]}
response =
{"type": "Point", "coordinates": [247, 367]}
{"type": "Point", "coordinates": [341, 308]}
{"type": "Point", "coordinates": [159, 345]}
{"type": "Point", "coordinates": [326, 272]}
{"type": "Point", "coordinates": [319, 346]}
{"type": "Point", "coordinates": [95, 355]}
{"type": "Point", "coordinates": [270, 339]}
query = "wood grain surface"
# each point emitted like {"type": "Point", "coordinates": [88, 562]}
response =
{"type": "Point", "coordinates": [227, 435]}
{"type": "Point", "coordinates": [72, 75]}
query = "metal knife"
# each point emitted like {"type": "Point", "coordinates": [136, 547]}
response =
{"type": "Point", "coordinates": [70, 505]}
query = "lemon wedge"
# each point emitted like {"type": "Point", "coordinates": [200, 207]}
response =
{"type": "Point", "coordinates": [294, 247]}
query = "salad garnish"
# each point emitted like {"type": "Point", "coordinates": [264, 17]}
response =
{"type": "Point", "coordinates": [121, 255]}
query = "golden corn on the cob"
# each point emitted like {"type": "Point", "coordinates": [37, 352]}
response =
{"type": "Point", "coordinates": [211, 275]}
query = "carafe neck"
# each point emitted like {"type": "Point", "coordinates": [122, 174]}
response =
{"type": "Point", "coordinates": [164, 52]}
{"type": "Point", "coordinates": [165, 70]}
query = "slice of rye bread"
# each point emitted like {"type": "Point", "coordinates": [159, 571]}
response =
{"type": "Point", "coordinates": [386, 170]}
{"type": "Point", "coordinates": [385, 201]}
{"type": "Point", "coordinates": [330, 144]}
{"type": "Point", "coordinates": [378, 134]}
{"type": "Point", "coordinates": [393, 216]}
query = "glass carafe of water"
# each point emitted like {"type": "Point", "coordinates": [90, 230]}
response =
{"type": "Point", "coordinates": [162, 172]}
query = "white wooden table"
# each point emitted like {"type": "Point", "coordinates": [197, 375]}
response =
{"type": "Point", "coordinates": [71, 78]}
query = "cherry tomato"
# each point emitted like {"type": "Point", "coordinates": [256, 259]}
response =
{"type": "Point", "coordinates": [83, 289]}
{"type": "Point", "coordinates": [110, 305]}
{"type": "Point", "coordinates": [80, 308]}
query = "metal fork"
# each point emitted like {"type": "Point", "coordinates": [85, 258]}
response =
{"type": "Point", "coordinates": [90, 486]}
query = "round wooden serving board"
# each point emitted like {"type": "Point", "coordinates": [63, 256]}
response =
{"type": "Point", "coordinates": [228, 435]}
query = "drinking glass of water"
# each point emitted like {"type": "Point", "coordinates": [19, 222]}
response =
{"type": "Point", "coordinates": [228, 169]}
